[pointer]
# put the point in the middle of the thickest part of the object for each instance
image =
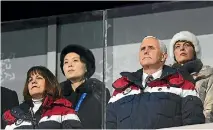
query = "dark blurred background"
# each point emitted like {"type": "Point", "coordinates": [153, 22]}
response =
{"type": "Point", "coordinates": [16, 10]}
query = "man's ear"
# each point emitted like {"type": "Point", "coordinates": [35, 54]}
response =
{"type": "Point", "coordinates": [164, 56]}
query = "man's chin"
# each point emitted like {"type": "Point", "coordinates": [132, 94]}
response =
{"type": "Point", "coordinates": [147, 64]}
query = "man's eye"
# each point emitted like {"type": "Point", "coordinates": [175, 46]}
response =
{"type": "Point", "coordinates": [143, 48]}
{"type": "Point", "coordinates": [151, 47]}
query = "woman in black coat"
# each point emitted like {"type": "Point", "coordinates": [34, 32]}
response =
{"type": "Point", "coordinates": [88, 95]}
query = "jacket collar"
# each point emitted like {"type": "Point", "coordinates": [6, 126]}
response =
{"type": "Point", "coordinates": [204, 73]}
{"type": "Point", "coordinates": [193, 66]}
{"type": "Point", "coordinates": [23, 110]}
{"type": "Point", "coordinates": [46, 103]}
{"type": "Point", "coordinates": [136, 77]}
{"type": "Point", "coordinates": [67, 89]}
{"type": "Point", "coordinates": [167, 71]}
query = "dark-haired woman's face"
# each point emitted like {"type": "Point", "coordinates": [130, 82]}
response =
{"type": "Point", "coordinates": [183, 52]}
{"type": "Point", "coordinates": [74, 68]}
{"type": "Point", "coordinates": [36, 86]}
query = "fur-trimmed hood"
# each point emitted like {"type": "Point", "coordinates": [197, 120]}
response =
{"type": "Point", "coordinates": [205, 72]}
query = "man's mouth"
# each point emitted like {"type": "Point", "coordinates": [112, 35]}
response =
{"type": "Point", "coordinates": [147, 57]}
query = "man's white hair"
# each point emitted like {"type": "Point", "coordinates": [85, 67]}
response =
{"type": "Point", "coordinates": [162, 45]}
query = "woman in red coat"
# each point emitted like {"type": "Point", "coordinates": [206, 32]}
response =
{"type": "Point", "coordinates": [43, 107]}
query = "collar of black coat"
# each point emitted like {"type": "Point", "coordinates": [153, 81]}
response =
{"type": "Point", "coordinates": [136, 77]}
{"type": "Point", "coordinates": [193, 66]}
{"type": "Point", "coordinates": [85, 87]}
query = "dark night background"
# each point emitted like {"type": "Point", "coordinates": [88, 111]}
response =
{"type": "Point", "coordinates": [16, 10]}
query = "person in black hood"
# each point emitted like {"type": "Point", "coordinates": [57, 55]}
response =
{"type": "Point", "coordinates": [88, 95]}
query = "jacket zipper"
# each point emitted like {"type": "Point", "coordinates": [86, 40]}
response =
{"type": "Point", "coordinates": [34, 123]}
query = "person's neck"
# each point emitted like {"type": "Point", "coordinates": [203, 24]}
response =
{"type": "Point", "coordinates": [181, 63]}
{"type": "Point", "coordinates": [36, 104]}
{"type": "Point", "coordinates": [37, 97]}
{"type": "Point", "coordinates": [76, 83]}
{"type": "Point", "coordinates": [185, 61]}
{"type": "Point", "coordinates": [37, 100]}
{"type": "Point", "coordinates": [151, 69]}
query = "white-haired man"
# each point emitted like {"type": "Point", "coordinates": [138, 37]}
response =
{"type": "Point", "coordinates": [156, 96]}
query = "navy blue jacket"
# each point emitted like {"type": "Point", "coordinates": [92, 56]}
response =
{"type": "Point", "coordinates": [168, 101]}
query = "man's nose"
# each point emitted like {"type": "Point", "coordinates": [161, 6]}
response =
{"type": "Point", "coordinates": [146, 51]}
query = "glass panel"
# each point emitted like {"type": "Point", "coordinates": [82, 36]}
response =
{"type": "Point", "coordinates": [23, 45]}
{"type": "Point", "coordinates": [127, 27]}
{"type": "Point", "coordinates": [84, 29]}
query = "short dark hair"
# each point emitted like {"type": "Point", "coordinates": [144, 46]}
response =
{"type": "Point", "coordinates": [52, 87]}
{"type": "Point", "coordinates": [190, 44]}
{"type": "Point", "coordinates": [186, 41]}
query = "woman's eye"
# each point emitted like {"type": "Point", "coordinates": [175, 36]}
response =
{"type": "Point", "coordinates": [177, 46]}
{"type": "Point", "coordinates": [39, 78]}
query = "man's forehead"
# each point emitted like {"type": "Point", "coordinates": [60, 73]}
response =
{"type": "Point", "coordinates": [150, 41]}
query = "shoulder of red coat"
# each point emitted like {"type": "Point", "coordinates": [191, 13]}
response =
{"type": "Point", "coordinates": [64, 102]}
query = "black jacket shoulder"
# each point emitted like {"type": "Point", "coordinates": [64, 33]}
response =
{"type": "Point", "coordinates": [92, 85]}
{"type": "Point", "coordinates": [10, 100]}
{"type": "Point", "coordinates": [8, 95]}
